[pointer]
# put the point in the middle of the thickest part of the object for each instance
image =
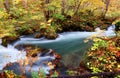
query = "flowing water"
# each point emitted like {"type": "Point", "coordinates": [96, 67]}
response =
{"type": "Point", "coordinates": [70, 45]}
{"type": "Point", "coordinates": [9, 54]}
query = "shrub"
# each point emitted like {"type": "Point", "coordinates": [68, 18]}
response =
{"type": "Point", "coordinates": [102, 56]}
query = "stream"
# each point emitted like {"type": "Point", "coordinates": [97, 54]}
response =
{"type": "Point", "coordinates": [70, 45]}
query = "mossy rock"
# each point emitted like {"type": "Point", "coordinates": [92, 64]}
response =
{"type": "Point", "coordinates": [33, 52]}
{"type": "Point", "coordinates": [117, 26]}
{"type": "Point", "coordinates": [30, 31]}
{"type": "Point", "coordinates": [39, 35]}
{"type": "Point", "coordinates": [51, 36]}
{"type": "Point", "coordinates": [9, 39]}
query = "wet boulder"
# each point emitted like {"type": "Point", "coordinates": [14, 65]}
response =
{"type": "Point", "coordinates": [38, 35]}
{"type": "Point", "coordinates": [51, 36]}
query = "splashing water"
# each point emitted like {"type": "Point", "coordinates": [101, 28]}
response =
{"type": "Point", "coordinates": [9, 54]}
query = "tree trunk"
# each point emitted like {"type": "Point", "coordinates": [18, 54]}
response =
{"type": "Point", "coordinates": [77, 7]}
{"type": "Point", "coordinates": [67, 7]}
{"type": "Point", "coordinates": [24, 2]}
{"type": "Point", "coordinates": [47, 13]}
{"type": "Point", "coordinates": [63, 7]}
{"type": "Point", "coordinates": [7, 6]}
{"type": "Point", "coordinates": [117, 4]}
{"type": "Point", "coordinates": [106, 8]}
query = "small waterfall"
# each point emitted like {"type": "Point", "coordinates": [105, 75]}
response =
{"type": "Point", "coordinates": [9, 55]}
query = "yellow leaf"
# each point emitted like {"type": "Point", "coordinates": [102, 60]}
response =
{"type": "Point", "coordinates": [34, 17]}
{"type": "Point", "coordinates": [50, 20]}
{"type": "Point", "coordinates": [118, 65]}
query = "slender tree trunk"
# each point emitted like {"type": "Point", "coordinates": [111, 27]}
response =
{"type": "Point", "coordinates": [117, 4]}
{"type": "Point", "coordinates": [107, 7]}
{"type": "Point", "coordinates": [75, 5]}
{"type": "Point", "coordinates": [77, 8]}
{"type": "Point", "coordinates": [43, 10]}
{"type": "Point", "coordinates": [7, 6]}
{"type": "Point", "coordinates": [67, 7]}
{"type": "Point", "coordinates": [47, 13]}
{"type": "Point", "coordinates": [63, 7]}
{"type": "Point", "coordinates": [24, 2]}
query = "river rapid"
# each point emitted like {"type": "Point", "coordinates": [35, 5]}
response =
{"type": "Point", "coordinates": [70, 45]}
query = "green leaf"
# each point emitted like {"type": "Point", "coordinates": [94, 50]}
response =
{"type": "Point", "coordinates": [35, 75]}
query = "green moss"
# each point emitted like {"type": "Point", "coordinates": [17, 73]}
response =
{"type": "Point", "coordinates": [117, 25]}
